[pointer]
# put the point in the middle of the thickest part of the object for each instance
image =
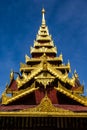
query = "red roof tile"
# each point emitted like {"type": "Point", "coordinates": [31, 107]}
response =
{"type": "Point", "coordinates": [75, 108]}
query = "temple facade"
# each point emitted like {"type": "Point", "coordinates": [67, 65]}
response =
{"type": "Point", "coordinates": [43, 95]}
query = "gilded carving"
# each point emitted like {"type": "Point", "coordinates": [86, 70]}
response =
{"type": "Point", "coordinates": [69, 93]}
{"type": "Point", "coordinates": [46, 106]}
{"type": "Point", "coordinates": [45, 68]}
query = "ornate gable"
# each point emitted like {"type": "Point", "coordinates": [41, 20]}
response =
{"type": "Point", "coordinates": [44, 79]}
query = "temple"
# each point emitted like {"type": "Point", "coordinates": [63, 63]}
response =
{"type": "Point", "coordinates": [42, 95]}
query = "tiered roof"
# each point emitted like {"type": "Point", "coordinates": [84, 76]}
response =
{"type": "Point", "coordinates": [44, 81]}
{"type": "Point", "coordinates": [43, 43]}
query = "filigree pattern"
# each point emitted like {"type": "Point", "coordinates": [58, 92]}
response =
{"type": "Point", "coordinates": [47, 106]}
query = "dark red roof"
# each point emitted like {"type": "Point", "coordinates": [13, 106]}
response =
{"type": "Point", "coordinates": [13, 85]}
{"type": "Point", "coordinates": [75, 108]}
{"type": "Point", "coordinates": [14, 107]}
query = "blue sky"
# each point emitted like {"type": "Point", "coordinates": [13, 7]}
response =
{"type": "Point", "coordinates": [20, 21]}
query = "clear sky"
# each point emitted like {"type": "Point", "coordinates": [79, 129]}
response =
{"type": "Point", "coordinates": [20, 21]}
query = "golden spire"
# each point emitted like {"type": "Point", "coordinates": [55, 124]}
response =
{"type": "Point", "coordinates": [43, 17]}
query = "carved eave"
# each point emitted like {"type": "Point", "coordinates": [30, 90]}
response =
{"type": "Point", "coordinates": [32, 60]}
{"type": "Point", "coordinates": [38, 60]}
{"type": "Point", "coordinates": [43, 31]}
{"type": "Point", "coordinates": [27, 77]}
{"type": "Point", "coordinates": [78, 90]}
{"type": "Point", "coordinates": [81, 99]}
{"type": "Point", "coordinates": [44, 79]}
{"type": "Point", "coordinates": [26, 68]}
{"type": "Point", "coordinates": [42, 38]}
{"type": "Point", "coordinates": [6, 99]}
{"type": "Point", "coordinates": [56, 59]}
{"type": "Point", "coordinates": [43, 50]}
{"type": "Point", "coordinates": [27, 58]}
{"type": "Point", "coordinates": [47, 44]}
{"type": "Point", "coordinates": [49, 59]}
{"type": "Point", "coordinates": [41, 68]}
{"type": "Point", "coordinates": [62, 67]}
{"type": "Point", "coordinates": [44, 109]}
{"type": "Point", "coordinates": [63, 77]}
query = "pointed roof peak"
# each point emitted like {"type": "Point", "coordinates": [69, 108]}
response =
{"type": "Point", "coordinates": [43, 16]}
{"type": "Point", "coordinates": [43, 10]}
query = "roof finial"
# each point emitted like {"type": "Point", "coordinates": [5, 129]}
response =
{"type": "Point", "coordinates": [43, 17]}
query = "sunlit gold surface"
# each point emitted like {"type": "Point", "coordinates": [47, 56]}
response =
{"type": "Point", "coordinates": [44, 109]}
{"type": "Point", "coordinates": [44, 69]}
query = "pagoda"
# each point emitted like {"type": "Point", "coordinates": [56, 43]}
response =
{"type": "Point", "coordinates": [42, 95]}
